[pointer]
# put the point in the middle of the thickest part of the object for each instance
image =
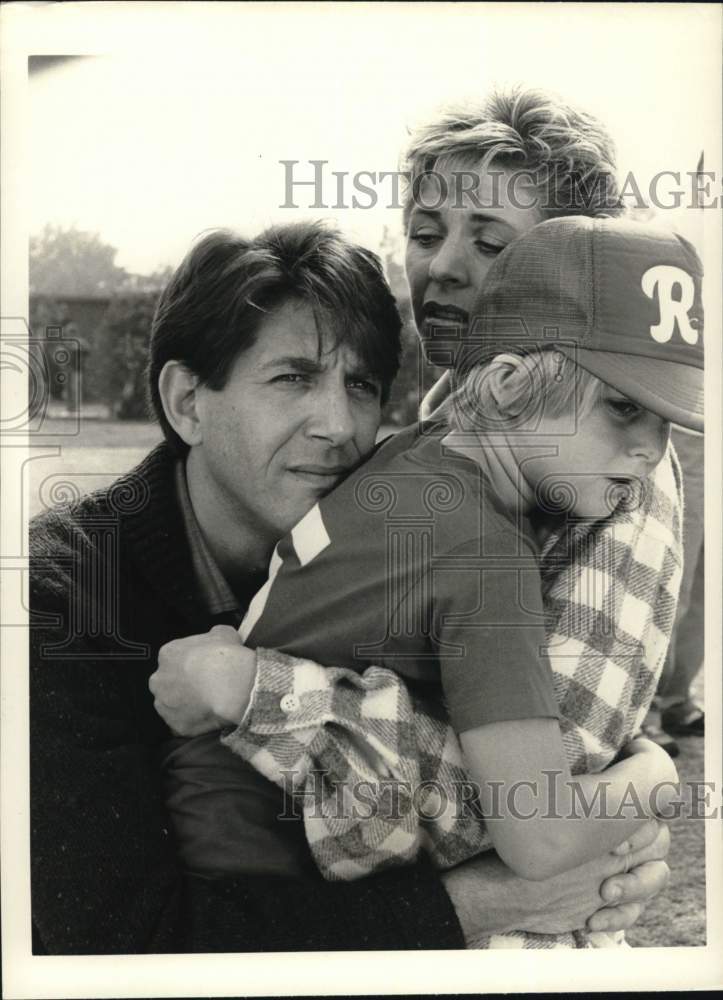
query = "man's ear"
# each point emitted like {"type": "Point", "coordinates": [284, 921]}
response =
{"type": "Point", "coordinates": [504, 376]}
{"type": "Point", "coordinates": [177, 387]}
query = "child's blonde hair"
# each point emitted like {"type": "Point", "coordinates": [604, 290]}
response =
{"type": "Point", "coordinates": [545, 382]}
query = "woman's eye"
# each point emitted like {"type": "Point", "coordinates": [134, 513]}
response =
{"type": "Point", "coordinates": [290, 378]}
{"type": "Point", "coordinates": [425, 238]}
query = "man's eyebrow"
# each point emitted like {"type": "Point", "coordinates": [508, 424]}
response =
{"type": "Point", "coordinates": [364, 371]}
{"type": "Point", "coordinates": [302, 363]}
{"type": "Point", "coordinates": [313, 366]}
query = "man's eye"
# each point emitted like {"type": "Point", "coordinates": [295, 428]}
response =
{"type": "Point", "coordinates": [291, 378]}
{"type": "Point", "coordinates": [370, 387]}
{"type": "Point", "coordinates": [365, 386]}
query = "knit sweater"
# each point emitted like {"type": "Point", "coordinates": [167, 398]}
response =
{"type": "Point", "coordinates": [111, 581]}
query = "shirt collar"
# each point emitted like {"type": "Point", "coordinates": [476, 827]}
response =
{"type": "Point", "coordinates": [214, 587]}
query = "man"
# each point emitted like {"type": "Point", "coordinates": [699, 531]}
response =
{"type": "Point", "coordinates": [301, 318]}
{"type": "Point", "coordinates": [479, 177]}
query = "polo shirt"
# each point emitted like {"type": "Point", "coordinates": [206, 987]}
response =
{"type": "Point", "coordinates": [413, 564]}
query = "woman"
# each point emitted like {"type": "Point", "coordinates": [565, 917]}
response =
{"type": "Point", "coordinates": [467, 202]}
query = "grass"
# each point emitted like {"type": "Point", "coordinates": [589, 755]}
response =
{"type": "Point", "coordinates": [104, 449]}
{"type": "Point", "coordinates": [677, 916]}
{"type": "Point", "coordinates": [89, 459]}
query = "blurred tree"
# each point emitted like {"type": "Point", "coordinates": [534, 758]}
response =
{"type": "Point", "coordinates": [152, 282]}
{"type": "Point", "coordinates": [49, 314]}
{"type": "Point", "coordinates": [119, 354]}
{"type": "Point", "coordinates": [71, 262]}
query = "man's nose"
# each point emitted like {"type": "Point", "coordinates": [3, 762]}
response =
{"type": "Point", "coordinates": [333, 418]}
{"type": "Point", "coordinates": [449, 264]}
{"type": "Point", "coordinates": [651, 440]}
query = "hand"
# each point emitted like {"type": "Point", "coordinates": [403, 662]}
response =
{"type": "Point", "coordinates": [646, 874]}
{"type": "Point", "coordinates": [488, 897]}
{"type": "Point", "coordinates": [203, 682]}
{"type": "Point", "coordinates": [639, 873]}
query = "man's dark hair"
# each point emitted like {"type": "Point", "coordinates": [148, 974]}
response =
{"type": "Point", "coordinates": [211, 310]}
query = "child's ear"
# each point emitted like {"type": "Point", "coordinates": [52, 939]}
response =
{"type": "Point", "coordinates": [507, 374]}
{"type": "Point", "coordinates": [177, 387]}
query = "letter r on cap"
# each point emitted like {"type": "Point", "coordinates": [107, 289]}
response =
{"type": "Point", "coordinates": [658, 282]}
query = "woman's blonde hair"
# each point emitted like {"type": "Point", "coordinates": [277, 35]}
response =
{"type": "Point", "coordinates": [567, 153]}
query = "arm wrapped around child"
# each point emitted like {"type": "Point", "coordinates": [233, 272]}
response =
{"type": "Point", "coordinates": [378, 771]}
{"type": "Point", "coordinates": [379, 774]}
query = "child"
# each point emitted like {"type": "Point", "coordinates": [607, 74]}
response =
{"type": "Point", "coordinates": [426, 561]}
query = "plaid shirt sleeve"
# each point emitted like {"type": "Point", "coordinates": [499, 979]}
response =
{"type": "Point", "coordinates": [310, 729]}
{"type": "Point", "coordinates": [610, 598]}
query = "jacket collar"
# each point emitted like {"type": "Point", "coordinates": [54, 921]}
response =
{"type": "Point", "coordinates": [153, 532]}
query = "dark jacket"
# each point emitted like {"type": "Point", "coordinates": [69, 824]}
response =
{"type": "Point", "coordinates": [111, 581]}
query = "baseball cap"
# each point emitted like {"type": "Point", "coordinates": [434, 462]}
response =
{"type": "Point", "coordinates": [619, 297]}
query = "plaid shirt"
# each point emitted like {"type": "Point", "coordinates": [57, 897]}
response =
{"type": "Point", "coordinates": [610, 598]}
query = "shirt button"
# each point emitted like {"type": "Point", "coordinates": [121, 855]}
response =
{"type": "Point", "coordinates": [289, 703]}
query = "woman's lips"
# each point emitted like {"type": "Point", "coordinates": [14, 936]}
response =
{"type": "Point", "coordinates": [439, 314]}
{"type": "Point", "coordinates": [444, 313]}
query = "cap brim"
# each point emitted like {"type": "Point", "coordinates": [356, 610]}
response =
{"type": "Point", "coordinates": [668, 388]}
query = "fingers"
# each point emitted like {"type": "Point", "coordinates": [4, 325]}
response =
{"type": "Point", "coordinates": [632, 892]}
{"type": "Point", "coordinates": [651, 841]}
{"type": "Point", "coordinates": [181, 724]}
{"type": "Point", "coordinates": [157, 688]}
{"type": "Point", "coordinates": [639, 885]}
{"type": "Point", "coordinates": [162, 691]}
{"type": "Point", "coordinates": [203, 682]}
{"type": "Point", "coordinates": [640, 839]}
{"type": "Point", "coordinates": [615, 918]}
{"type": "Point", "coordinates": [650, 850]}
{"type": "Point", "coordinates": [166, 712]}
{"type": "Point", "coordinates": [226, 632]}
